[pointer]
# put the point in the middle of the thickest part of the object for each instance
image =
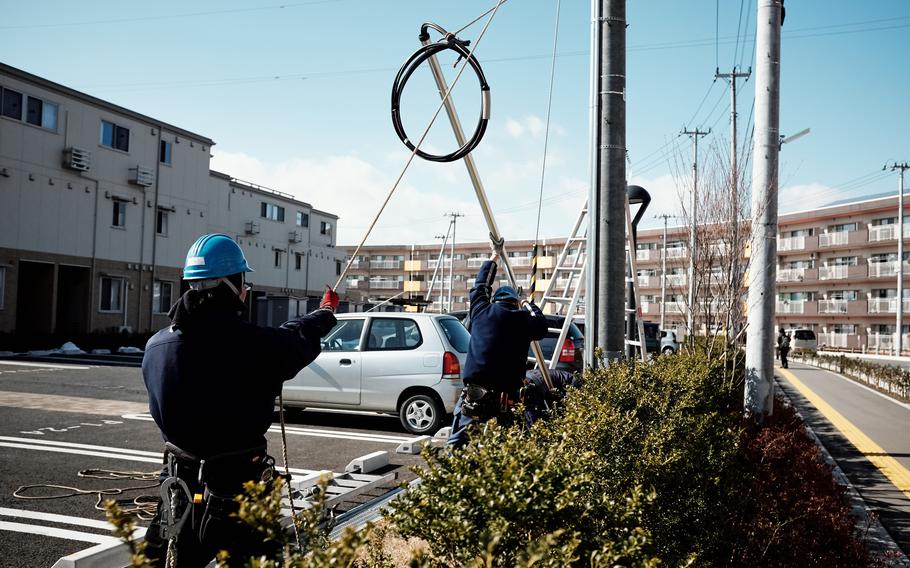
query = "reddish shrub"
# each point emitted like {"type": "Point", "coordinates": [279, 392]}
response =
{"type": "Point", "coordinates": [792, 512]}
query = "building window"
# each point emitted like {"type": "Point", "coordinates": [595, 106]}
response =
{"type": "Point", "coordinates": [161, 296]}
{"type": "Point", "coordinates": [303, 219]}
{"type": "Point", "coordinates": [41, 113]}
{"type": "Point", "coordinates": [278, 258]}
{"type": "Point", "coordinates": [298, 261]}
{"type": "Point", "coordinates": [111, 294]}
{"type": "Point", "coordinates": [161, 223]}
{"type": "Point", "coordinates": [119, 219]}
{"type": "Point", "coordinates": [164, 152]}
{"type": "Point", "coordinates": [2, 286]}
{"type": "Point", "coordinates": [271, 211]}
{"type": "Point", "coordinates": [325, 228]}
{"type": "Point", "coordinates": [114, 136]}
{"type": "Point", "coordinates": [12, 104]}
{"type": "Point", "coordinates": [337, 268]}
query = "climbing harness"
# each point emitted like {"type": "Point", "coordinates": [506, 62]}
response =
{"type": "Point", "coordinates": [426, 51]}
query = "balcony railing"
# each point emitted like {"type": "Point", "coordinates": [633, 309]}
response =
{"type": "Point", "coordinates": [476, 262]}
{"type": "Point", "coordinates": [520, 260]}
{"type": "Point", "coordinates": [883, 233]}
{"type": "Point", "coordinates": [833, 272]}
{"type": "Point", "coordinates": [354, 283]}
{"type": "Point", "coordinates": [834, 339]}
{"type": "Point", "coordinates": [676, 279]}
{"type": "Point", "coordinates": [386, 264]}
{"type": "Point", "coordinates": [385, 284]}
{"type": "Point", "coordinates": [791, 306]}
{"type": "Point", "coordinates": [644, 254]}
{"type": "Point", "coordinates": [791, 275]}
{"type": "Point", "coordinates": [675, 307]}
{"type": "Point", "coordinates": [887, 268]}
{"type": "Point", "coordinates": [791, 243]}
{"type": "Point", "coordinates": [885, 341]}
{"type": "Point", "coordinates": [832, 306]}
{"type": "Point", "coordinates": [831, 239]}
{"type": "Point", "coordinates": [677, 252]}
{"type": "Point", "coordinates": [887, 305]}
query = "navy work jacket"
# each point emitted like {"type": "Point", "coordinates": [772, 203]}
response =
{"type": "Point", "coordinates": [500, 337]}
{"type": "Point", "coordinates": [212, 383]}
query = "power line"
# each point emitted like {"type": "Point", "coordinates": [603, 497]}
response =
{"type": "Point", "coordinates": [168, 16]}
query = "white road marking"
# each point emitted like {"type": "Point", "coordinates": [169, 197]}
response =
{"type": "Point", "coordinates": [129, 457]}
{"type": "Point", "coordinates": [299, 431]}
{"type": "Point", "coordinates": [57, 533]}
{"type": "Point", "coordinates": [54, 518]}
{"type": "Point", "coordinates": [44, 365]}
{"type": "Point", "coordinates": [110, 452]}
{"type": "Point", "coordinates": [82, 446]}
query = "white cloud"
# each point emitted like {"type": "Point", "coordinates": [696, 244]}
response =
{"type": "Point", "coordinates": [532, 125]}
{"type": "Point", "coordinates": [514, 128]}
{"type": "Point", "coordinates": [807, 196]}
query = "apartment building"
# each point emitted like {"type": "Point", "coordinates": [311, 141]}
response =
{"type": "Point", "coordinates": [433, 279]}
{"type": "Point", "coordinates": [99, 204]}
{"type": "Point", "coordinates": [836, 273]}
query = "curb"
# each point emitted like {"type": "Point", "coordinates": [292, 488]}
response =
{"type": "Point", "coordinates": [878, 538]}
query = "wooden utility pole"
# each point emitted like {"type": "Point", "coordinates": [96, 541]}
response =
{"type": "Point", "coordinates": [454, 216]}
{"type": "Point", "coordinates": [690, 317]}
{"type": "Point", "coordinates": [759, 391]}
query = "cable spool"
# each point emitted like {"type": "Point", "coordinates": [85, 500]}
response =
{"type": "Point", "coordinates": [448, 41]}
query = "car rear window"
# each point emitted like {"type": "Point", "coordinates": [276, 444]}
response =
{"type": "Point", "coordinates": [804, 334]}
{"type": "Point", "coordinates": [456, 334]}
{"type": "Point", "coordinates": [388, 334]}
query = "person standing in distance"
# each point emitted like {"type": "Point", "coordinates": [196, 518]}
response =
{"type": "Point", "coordinates": [501, 332]}
{"type": "Point", "coordinates": [212, 379]}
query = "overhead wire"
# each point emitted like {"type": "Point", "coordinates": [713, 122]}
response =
{"type": "Point", "coordinates": [410, 160]}
{"type": "Point", "coordinates": [546, 135]}
{"type": "Point", "coordinates": [738, 31]}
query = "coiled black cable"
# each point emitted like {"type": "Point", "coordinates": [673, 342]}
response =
{"type": "Point", "coordinates": [448, 41]}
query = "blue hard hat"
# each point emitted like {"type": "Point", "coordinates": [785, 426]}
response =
{"type": "Point", "coordinates": [505, 294]}
{"type": "Point", "coordinates": [214, 256]}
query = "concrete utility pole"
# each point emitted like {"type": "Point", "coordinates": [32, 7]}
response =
{"type": "Point", "coordinates": [734, 195]}
{"type": "Point", "coordinates": [454, 216]}
{"type": "Point", "coordinates": [899, 340]}
{"type": "Point", "coordinates": [759, 392]}
{"type": "Point", "coordinates": [663, 273]}
{"type": "Point", "coordinates": [690, 318]}
{"type": "Point", "coordinates": [604, 311]}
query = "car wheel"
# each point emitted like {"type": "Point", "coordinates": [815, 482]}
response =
{"type": "Point", "coordinates": [421, 414]}
{"type": "Point", "coordinates": [669, 351]}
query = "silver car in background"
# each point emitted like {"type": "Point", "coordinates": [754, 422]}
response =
{"type": "Point", "coordinates": [407, 364]}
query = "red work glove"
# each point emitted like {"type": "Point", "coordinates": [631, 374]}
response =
{"type": "Point", "coordinates": [329, 300]}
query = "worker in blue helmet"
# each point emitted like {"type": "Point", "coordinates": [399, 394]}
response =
{"type": "Point", "coordinates": [501, 333]}
{"type": "Point", "coordinates": [212, 380]}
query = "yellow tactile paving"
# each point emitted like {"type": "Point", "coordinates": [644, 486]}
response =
{"type": "Point", "coordinates": [890, 468]}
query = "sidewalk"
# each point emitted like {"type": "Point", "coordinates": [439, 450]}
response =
{"type": "Point", "coordinates": [865, 433]}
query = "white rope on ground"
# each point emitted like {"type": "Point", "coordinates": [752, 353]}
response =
{"type": "Point", "coordinates": [445, 98]}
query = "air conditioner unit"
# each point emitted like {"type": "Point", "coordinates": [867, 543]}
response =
{"type": "Point", "coordinates": [251, 228]}
{"type": "Point", "coordinates": [140, 175]}
{"type": "Point", "coordinates": [295, 237]}
{"type": "Point", "coordinates": [77, 159]}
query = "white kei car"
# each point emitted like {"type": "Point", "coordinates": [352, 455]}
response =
{"type": "Point", "coordinates": [401, 363]}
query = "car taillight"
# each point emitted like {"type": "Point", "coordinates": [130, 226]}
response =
{"type": "Point", "coordinates": [451, 368]}
{"type": "Point", "coordinates": [567, 355]}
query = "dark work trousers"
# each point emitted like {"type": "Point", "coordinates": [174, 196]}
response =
{"type": "Point", "coordinates": [783, 357]}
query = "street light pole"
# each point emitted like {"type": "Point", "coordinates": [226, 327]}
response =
{"type": "Point", "coordinates": [899, 340]}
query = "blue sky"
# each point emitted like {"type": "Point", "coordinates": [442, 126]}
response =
{"type": "Point", "coordinates": [297, 97]}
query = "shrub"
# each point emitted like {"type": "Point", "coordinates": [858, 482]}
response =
{"type": "Point", "coordinates": [791, 511]}
{"type": "Point", "coordinates": [509, 499]}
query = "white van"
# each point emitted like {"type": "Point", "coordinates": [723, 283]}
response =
{"type": "Point", "coordinates": [802, 339]}
{"type": "Point", "coordinates": [407, 364]}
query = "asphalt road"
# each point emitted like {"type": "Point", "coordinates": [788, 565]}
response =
{"type": "Point", "coordinates": [57, 420]}
{"type": "Point", "coordinates": [866, 434]}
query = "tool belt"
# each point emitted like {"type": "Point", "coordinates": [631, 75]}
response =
{"type": "Point", "coordinates": [201, 491]}
{"type": "Point", "coordinates": [481, 403]}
